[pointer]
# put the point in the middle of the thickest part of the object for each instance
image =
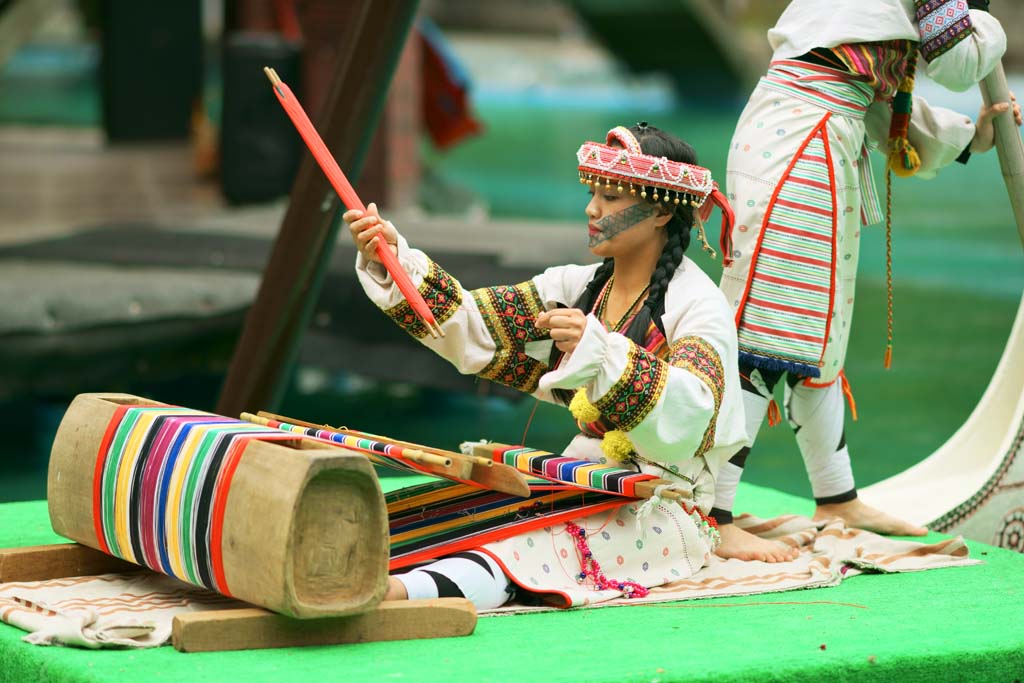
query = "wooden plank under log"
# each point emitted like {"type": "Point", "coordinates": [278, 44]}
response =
{"type": "Point", "coordinates": [247, 629]}
{"type": "Point", "coordinates": [58, 561]}
{"type": "Point", "coordinates": [483, 471]}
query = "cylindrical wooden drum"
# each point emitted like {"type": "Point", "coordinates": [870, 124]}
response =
{"type": "Point", "coordinates": [288, 523]}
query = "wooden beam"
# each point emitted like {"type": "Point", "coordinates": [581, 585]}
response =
{"type": "Point", "coordinates": [248, 629]}
{"type": "Point", "coordinates": [291, 282]}
{"type": "Point", "coordinates": [1009, 145]}
{"type": "Point", "coordinates": [57, 561]}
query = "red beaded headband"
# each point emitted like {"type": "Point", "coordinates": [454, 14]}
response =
{"type": "Point", "coordinates": [627, 165]}
{"type": "Point", "coordinates": [688, 183]}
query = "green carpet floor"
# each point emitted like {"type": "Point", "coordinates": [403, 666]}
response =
{"type": "Point", "coordinates": [962, 624]}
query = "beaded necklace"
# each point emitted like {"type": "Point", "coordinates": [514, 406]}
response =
{"type": "Point", "coordinates": [603, 302]}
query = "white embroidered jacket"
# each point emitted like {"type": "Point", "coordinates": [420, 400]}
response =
{"type": "Point", "coordinates": [684, 414]}
{"type": "Point", "coordinates": [939, 135]}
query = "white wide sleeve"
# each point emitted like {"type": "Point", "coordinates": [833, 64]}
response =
{"type": "Point", "coordinates": [938, 134]}
{"type": "Point", "coordinates": [668, 408]}
{"type": "Point", "coordinates": [488, 332]}
{"type": "Point", "coordinates": [963, 65]}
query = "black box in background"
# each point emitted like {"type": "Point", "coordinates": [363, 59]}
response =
{"type": "Point", "coordinates": [151, 68]}
{"type": "Point", "coordinates": [259, 147]}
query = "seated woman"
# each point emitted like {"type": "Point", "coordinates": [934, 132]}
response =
{"type": "Point", "coordinates": [641, 347]}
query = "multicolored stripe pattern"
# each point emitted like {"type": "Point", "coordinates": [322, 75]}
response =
{"type": "Point", "coordinates": [442, 294]}
{"type": "Point", "coordinates": [580, 473]}
{"type": "Point", "coordinates": [882, 64]}
{"type": "Point", "coordinates": [442, 517]}
{"type": "Point", "coordinates": [783, 322]}
{"type": "Point", "coordinates": [160, 488]}
{"type": "Point", "coordinates": [942, 24]}
{"type": "Point", "coordinates": [830, 89]}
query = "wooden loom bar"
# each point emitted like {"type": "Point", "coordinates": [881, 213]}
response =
{"type": "Point", "coordinates": [369, 51]}
{"type": "Point", "coordinates": [483, 471]}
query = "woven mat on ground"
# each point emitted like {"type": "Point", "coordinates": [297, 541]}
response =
{"type": "Point", "coordinates": [136, 610]}
{"type": "Point", "coordinates": [109, 610]}
{"type": "Point", "coordinates": [830, 552]}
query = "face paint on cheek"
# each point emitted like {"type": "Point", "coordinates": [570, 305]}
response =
{"type": "Point", "coordinates": [612, 225]}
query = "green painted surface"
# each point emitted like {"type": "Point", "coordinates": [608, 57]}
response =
{"type": "Point", "coordinates": [948, 624]}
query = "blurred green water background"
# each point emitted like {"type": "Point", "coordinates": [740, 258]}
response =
{"type": "Point", "coordinates": [959, 274]}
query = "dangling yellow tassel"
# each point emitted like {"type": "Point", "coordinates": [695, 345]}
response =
{"type": "Point", "coordinates": [774, 414]}
{"type": "Point", "coordinates": [582, 409]}
{"type": "Point", "coordinates": [616, 445]}
{"type": "Point", "coordinates": [903, 158]}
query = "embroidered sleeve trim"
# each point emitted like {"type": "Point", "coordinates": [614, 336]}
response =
{"type": "Point", "coordinates": [443, 295]}
{"type": "Point", "coordinates": [699, 358]}
{"type": "Point", "coordinates": [636, 392]}
{"type": "Point", "coordinates": [942, 24]}
{"type": "Point", "coordinates": [509, 312]}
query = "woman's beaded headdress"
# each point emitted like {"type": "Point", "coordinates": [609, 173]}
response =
{"type": "Point", "coordinates": [660, 178]}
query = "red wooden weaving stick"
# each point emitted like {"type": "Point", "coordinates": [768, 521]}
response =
{"type": "Point", "coordinates": [349, 197]}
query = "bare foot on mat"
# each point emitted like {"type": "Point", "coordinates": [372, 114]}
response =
{"type": "Point", "coordinates": [859, 515]}
{"type": "Point", "coordinates": [743, 545]}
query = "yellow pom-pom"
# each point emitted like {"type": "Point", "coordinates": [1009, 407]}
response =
{"type": "Point", "coordinates": [581, 407]}
{"type": "Point", "coordinates": [616, 445]}
{"type": "Point", "coordinates": [903, 158]}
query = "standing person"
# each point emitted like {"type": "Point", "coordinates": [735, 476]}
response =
{"type": "Point", "coordinates": [641, 347]}
{"type": "Point", "coordinates": [799, 173]}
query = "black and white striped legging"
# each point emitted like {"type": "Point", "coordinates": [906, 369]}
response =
{"type": "Point", "coordinates": [471, 574]}
{"type": "Point", "coordinates": [816, 415]}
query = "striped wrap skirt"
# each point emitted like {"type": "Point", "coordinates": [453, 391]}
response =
{"type": "Point", "coordinates": [799, 179]}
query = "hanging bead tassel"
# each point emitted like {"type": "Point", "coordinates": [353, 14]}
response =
{"type": "Point", "coordinates": [903, 159]}
{"type": "Point", "coordinates": [887, 361]}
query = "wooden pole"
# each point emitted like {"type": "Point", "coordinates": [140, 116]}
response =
{"type": "Point", "coordinates": [1009, 146]}
{"type": "Point", "coordinates": [293, 275]}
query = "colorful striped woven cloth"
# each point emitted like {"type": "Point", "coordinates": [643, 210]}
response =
{"type": "Point", "coordinates": [160, 488]}
{"type": "Point", "coordinates": [442, 517]}
{"type": "Point", "coordinates": [581, 474]}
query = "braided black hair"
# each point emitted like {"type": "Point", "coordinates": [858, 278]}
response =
{"type": "Point", "coordinates": [655, 142]}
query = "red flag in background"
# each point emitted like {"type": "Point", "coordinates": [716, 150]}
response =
{"type": "Point", "coordinates": [447, 111]}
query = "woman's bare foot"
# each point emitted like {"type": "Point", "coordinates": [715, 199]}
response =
{"type": "Point", "coordinates": [743, 545]}
{"type": "Point", "coordinates": [859, 515]}
{"type": "Point", "coordinates": [396, 590]}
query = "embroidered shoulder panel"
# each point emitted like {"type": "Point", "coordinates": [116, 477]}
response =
{"type": "Point", "coordinates": [443, 295]}
{"type": "Point", "coordinates": [636, 392]}
{"type": "Point", "coordinates": [509, 312]}
{"type": "Point", "coordinates": [699, 358]}
{"type": "Point", "coordinates": [942, 24]}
